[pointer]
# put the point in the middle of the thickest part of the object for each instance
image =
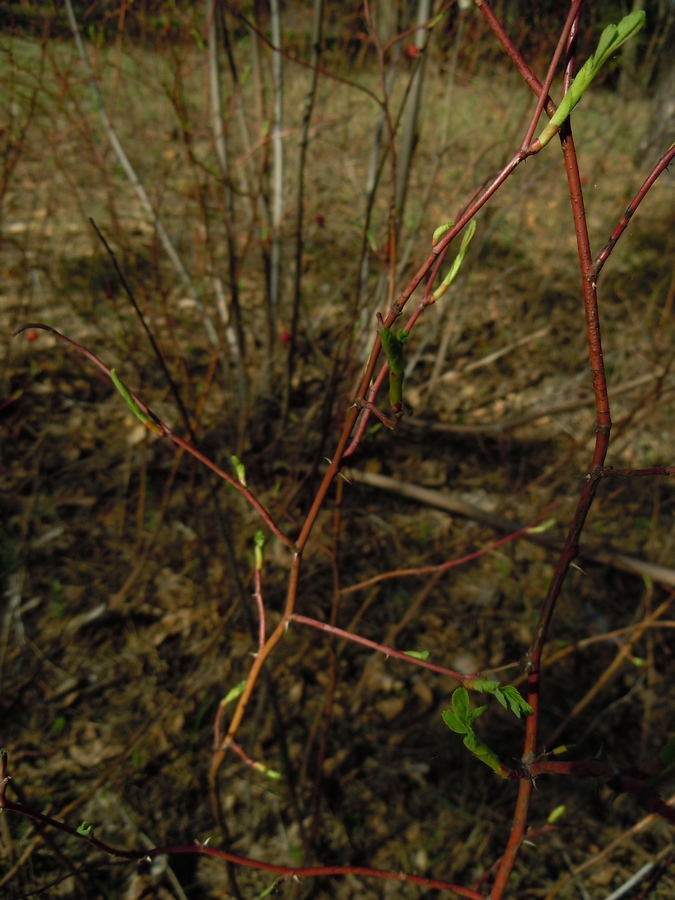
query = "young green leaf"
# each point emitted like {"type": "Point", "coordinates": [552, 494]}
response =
{"type": "Point", "coordinates": [440, 231]}
{"type": "Point", "coordinates": [259, 541]}
{"type": "Point", "coordinates": [457, 264]}
{"type": "Point", "coordinates": [490, 687]}
{"type": "Point", "coordinates": [132, 404]}
{"type": "Point", "coordinates": [240, 469]}
{"type": "Point", "coordinates": [453, 722]}
{"type": "Point", "coordinates": [418, 654]}
{"type": "Point", "coordinates": [485, 685]}
{"type": "Point", "coordinates": [270, 773]}
{"type": "Point", "coordinates": [517, 704]}
{"type": "Point", "coordinates": [460, 720]}
{"type": "Point", "coordinates": [475, 713]}
{"type": "Point", "coordinates": [615, 36]}
{"type": "Point", "coordinates": [542, 527]}
{"type": "Point", "coordinates": [482, 752]}
{"type": "Point", "coordinates": [460, 703]}
{"type": "Point", "coordinates": [499, 694]}
{"type": "Point", "coordinates": [508, 696]}
{"type": "Point", "coordinates": [432, 23]}
{"type": "Point", "coordinates": [233, 693]}
{"type": "Point", "coordinates": [272, 889]}
{"type": "Point", "coordinates": [563, 748]}
{"type": "Point", "coordinates": [85, 829]}
{"type": "Point", "coordinates": [612, 38]}
{"type": "Point", "coordinates": [392, 344]}
{"type": "Point", "coordinates": [461, 712]}
{"type": "Point", "coordinates": [555, 815]}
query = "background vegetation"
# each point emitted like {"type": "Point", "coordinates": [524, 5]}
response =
{"type": "Point", "coordinates": [128, 569]}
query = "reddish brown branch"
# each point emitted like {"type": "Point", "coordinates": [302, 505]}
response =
{"type": "Point", "coordinates": [446, 566]}
{"type": "Point", "coordinates": [387, 651]}
{"type": "Point", "coordinates": [629, 212]}
{"type": "Point", "coordinates": [203, 850]}
{"type": "Point", "coordinates": [163, 430]}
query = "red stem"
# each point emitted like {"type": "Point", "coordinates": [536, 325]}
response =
{"type": "Point", "coordinates": [624, 221]}
{"type": "Point", "coordinates": [442, 567]}
{"type": "Point", "coordinates": [387, 651]}
{"type": "Point", "coordinates": [284, 871]}
{"type": "Point", "coordinates": [165, 431]}
{"type": "Point", "coordinates": [543, 98]}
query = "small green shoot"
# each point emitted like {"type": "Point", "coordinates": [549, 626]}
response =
{"type": "Point", "coordinates": [233, 693]}
{"type": "Point", "coordinates": [392, 344]}
{"type": "Point", "coordinates": [240, 469]}
{"type": "Point", "coordinates": [460, 719]}
{"type": "Point", "coordinates": [432, 23]}
{"type": "Point", "coordinates": [58, 725]}
{"type": "Point", "coordinates": [259, 541]}
{"type": "Point", "coordinates": [85, 829]}
{"type": "Point", "coordinates": [457, 264]}
{"type": "Point", "coordinates": [611, 39]}
{"type": "Point", "coordinates": [418, 654]}
{"type": "Point", "coordinates": [440, 231]}
{"type": "Point", "coordinates": [556, 815]}
{"type": "Point", "coordinates": [149, 423]}
{"type": "Point", "coordinates": [273, 888]}
{"type": "Point", "coordinates": [563, 748]}
{"type": "Point", "coordinates": [270, 773]}
{"type": "Point", "coordinates": [542, 527]}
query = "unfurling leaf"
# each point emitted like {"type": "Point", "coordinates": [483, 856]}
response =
{"type": "Point", "coordinates": [460, 720]}
{"type": "Point", "coordinates": [418, 654]}
{"type": "Point", "coordinates": [485, 685]}
{"type": "Point", "coordinates": [457, 264]}
{"type": "Point", "coordinates": [555, 815]}
{"type": "Point", "coordinates": [543, 526]}
{"type": "Point", "coordinates": [611, 39]}
{"type": "Point", "coordinates": [240, 469]}
{"type": "Point", "coordinates": [259, 541]}
{"type": "Point", "coordinates": [132, 404]}
{"type": "Point", "coordinates": [563, 748]}
{"type": "Point", "coordinates": [482, 752]}
{"type": "Point", "coordinates": [270, 773]}
{"type": "Point", "coordinates": [508, 696]}
{"type": "Point", "coordinates": [517, 704]}
{"type": "Point", "coordinates": [440, 231]}
{"type": "Point", "coordinates": [462, 717]}
{"type": "Point", "coordinates": [392, 344]}
{"type": "Point", "coordinates": [233, 693]}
